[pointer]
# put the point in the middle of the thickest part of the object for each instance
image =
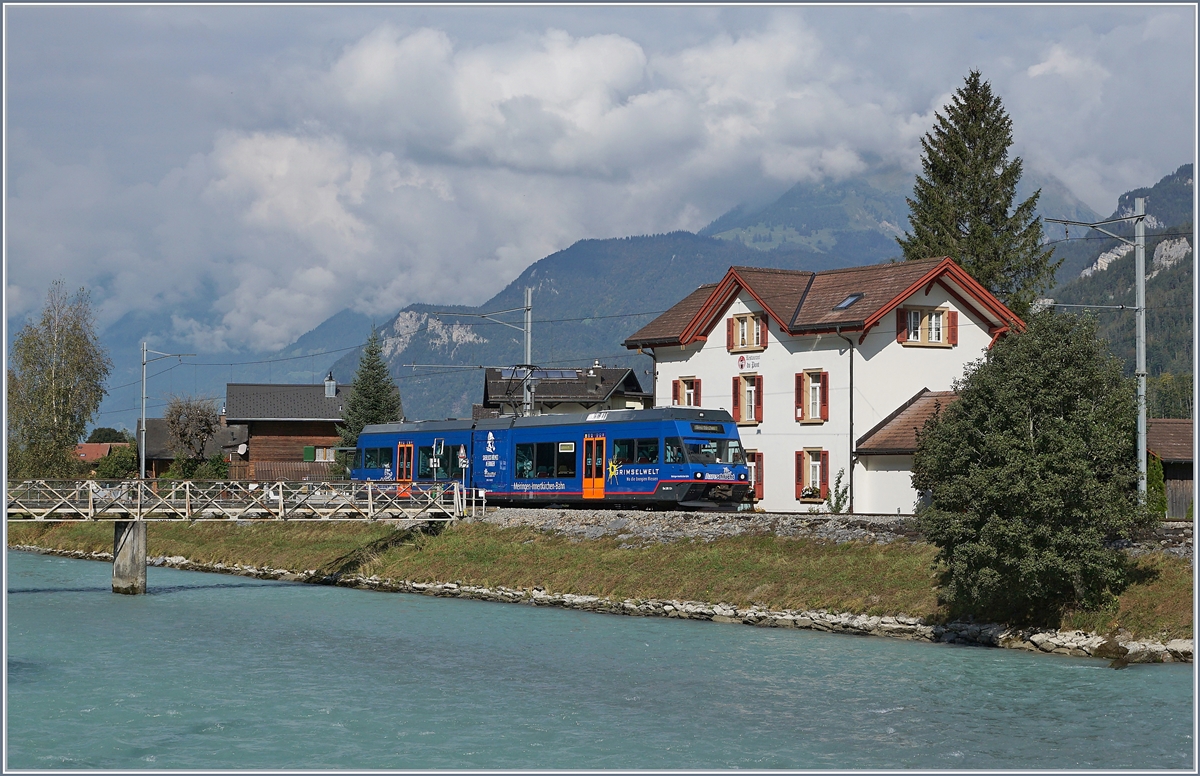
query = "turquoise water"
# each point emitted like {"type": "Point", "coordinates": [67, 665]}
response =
{"type": "Point", "coordinates": [211, 671]}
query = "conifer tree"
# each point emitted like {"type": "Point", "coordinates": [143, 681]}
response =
{"type": "Point", "coordinates": [374, 397]}
{"type": "Point", "coordinates": [962, 204]}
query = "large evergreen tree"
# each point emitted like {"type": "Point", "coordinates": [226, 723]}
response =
{"type": "Point", "coordinates": [1032, 475]}
{"type": "Point", "coordinates": [374, 397]}
{"type": "Point", "coordinates": [962, 204]}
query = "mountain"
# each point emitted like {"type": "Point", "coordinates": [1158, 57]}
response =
{"type": "Point", "coordinates": [852, 217]}
{"type": "Point", "coordinates": [205, 375]}
{"type": "Point", "coordinates": [1168, 207]}
{"type": "Point", "coordinates": [586, 300]}
{"type": "Point", "coordinates": [1103, 274]}
{"type": "Point", "coordinates": [863, 216]}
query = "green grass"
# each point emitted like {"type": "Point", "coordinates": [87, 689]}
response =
{"type": "Point", "coordinates": [774, 572]}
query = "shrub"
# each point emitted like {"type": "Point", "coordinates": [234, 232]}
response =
{"type": "Point", "coordinates": [1032, 475]}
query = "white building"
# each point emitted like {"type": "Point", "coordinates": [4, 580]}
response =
{"type": "Point", "coordinates": [815, 365]}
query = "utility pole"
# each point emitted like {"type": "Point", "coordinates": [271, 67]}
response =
{"type": "Point", "coordinates": [142, 429]}
{"type": "Point", "coordinates": [527, 329]}
{"type": "Point", "coordinates": [527, 387]}
{"type": "Point", "coordinates": [1139, 257]}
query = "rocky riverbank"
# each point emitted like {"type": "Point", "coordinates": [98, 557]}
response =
{"type": "Point", "coordinates": [1119, 648]}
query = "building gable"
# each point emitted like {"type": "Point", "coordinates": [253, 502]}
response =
{"type": "Point", "coordinates": [842, 300]}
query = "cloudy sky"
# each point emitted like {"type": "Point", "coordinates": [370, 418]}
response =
{"type": "Point", "coordinates": [249, 171]}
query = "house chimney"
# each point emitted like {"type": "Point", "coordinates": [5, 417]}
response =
{"type": "Point", "coordinates": [330, 386]}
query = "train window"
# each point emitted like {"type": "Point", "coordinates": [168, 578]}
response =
{"type": "Point", "coordinates": [674, 450]}
{"type": "Point", "coordinates": [566, 459]}
{"type": "Point", "coordinates": [524, 463]}
{"type": "Point", "coordinates": [647, 451]}
{"type": "Point", "coordinates": [447, 464]}
{"type": "Point", "coordinates": [702, 451]}
{"type": "Point", "coordinates": [623, 451]}
{"type": "Point", "coordinates": [377, 458]}
{"type": "Point", "coordinates": [546, 459]}
{"type": "Point", "coordinates": [714, 451]}
{"type": "Point", "coordinates": [543, 462]}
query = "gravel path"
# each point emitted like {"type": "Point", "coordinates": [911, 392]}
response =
{"type": "Point", "coordinates": [638, 528]}
{"type": "Point", "coordinates": [635, 528]}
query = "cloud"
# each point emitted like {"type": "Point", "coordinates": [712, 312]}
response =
{"type": "Point", "coordinates": [1063, 63]}
{"type": "Point", "coordinates": [390, 158]}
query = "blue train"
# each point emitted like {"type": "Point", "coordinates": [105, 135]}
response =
{"type": "Point", "coordinates": [669, 457]}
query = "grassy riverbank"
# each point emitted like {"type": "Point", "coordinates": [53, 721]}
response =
{"type": "Point", "coordinates": [772, 572]}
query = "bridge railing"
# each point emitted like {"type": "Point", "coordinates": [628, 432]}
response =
{"type": "Point", "coordinates": [158, 500]}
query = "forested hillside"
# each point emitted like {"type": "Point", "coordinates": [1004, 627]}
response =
{"type": "Point", "coordinates": [1104, 275]}
{"type": "Point", "coordinates": [586, 300]}
{"type": "Point", "coordinates": [589, 297]}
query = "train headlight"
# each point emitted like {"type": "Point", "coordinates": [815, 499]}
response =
{"type": "Point", "coordinates": [699, 475]}
{"type": "Point", "coordinates": [741, 476]}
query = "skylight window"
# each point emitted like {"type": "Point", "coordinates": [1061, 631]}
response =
{"type": "Point", "coordinates": [845, 303]}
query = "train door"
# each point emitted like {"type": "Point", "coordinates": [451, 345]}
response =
{"type": "Point", "coordinates": [404, 467]}
{"type": "Point", "coordinates": [593, 467]}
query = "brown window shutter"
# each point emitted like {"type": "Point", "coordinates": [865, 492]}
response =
{"type": "Point", "coordinates": [675, 392]}
{"type": "Point", "coordinates": [799, 396]}
{"type": "Point", "coordinates": [824, 474]}
{"type": "Point", "coordinates": [758, 398]}
{"type": "Point", "coordinates": [729, 334]}
{"type": "Point", "coordinates": [952, 327]}
{"type": "Point", "coordinates": [737, 399]}
{"type": "Point", "coordinates": [901, 325]}
{"type": "Point", "coordinates": [696, 392]}
{"type": "Point", "coordinates": [824, 396]}
{"type": "Point", "coordinates": [799, 473]}
{"type": "Point", "coordinates": [762, 328]}
{"type": "Point", "coordinates": [758, 485]}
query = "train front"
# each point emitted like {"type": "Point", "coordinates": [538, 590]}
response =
{"type": "Point", "coordinates": [705, 466]}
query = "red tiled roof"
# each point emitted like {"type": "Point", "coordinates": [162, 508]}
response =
{"type": "Point", "coordinates": [897, 433]}
{"type": "Point", "coordinates": [665, 329]}
{"type": "Point", "coordinates": [803, 302]}
{"type": "Point", "coordinates": [94, 451]}
{"type": "Point", "coordinates": [878, 284]}
{"type": "Point", "coordinates": [1170, 439]}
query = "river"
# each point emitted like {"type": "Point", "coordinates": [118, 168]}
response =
{"type": "Point", "coordinates": [211, 671]}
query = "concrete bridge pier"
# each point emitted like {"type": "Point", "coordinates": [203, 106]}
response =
{"type": "Point", "coordinates": [129, 557]}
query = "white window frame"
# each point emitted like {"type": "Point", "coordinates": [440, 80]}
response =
{"type": "Point", "coordinates": [689, 391]}
{"type": "Point", "coordinates": [914, 325]}
{"type": "Point", "coordinates": [748, 332]}
{"type": "Point", "coordinates": [748, 390]}
{"type": "Point", "coordinates": [927, 326]}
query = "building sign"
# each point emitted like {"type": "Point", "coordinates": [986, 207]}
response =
{"type": "Point", "coordinates": [749, 362]}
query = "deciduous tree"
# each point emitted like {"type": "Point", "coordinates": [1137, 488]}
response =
{"type": "Point", "coordinates": [190, 424]}
{"type": "Point", "coordinates": [120, 463]}
{"type": "Point", "coordinates": [56, 375]}
{"type": "Point", "coordinates": [1032, 474]}
{"type": "Point", "coordinates": [962, 204]}
{"type": "Point", "coordinates": [105, 434]}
